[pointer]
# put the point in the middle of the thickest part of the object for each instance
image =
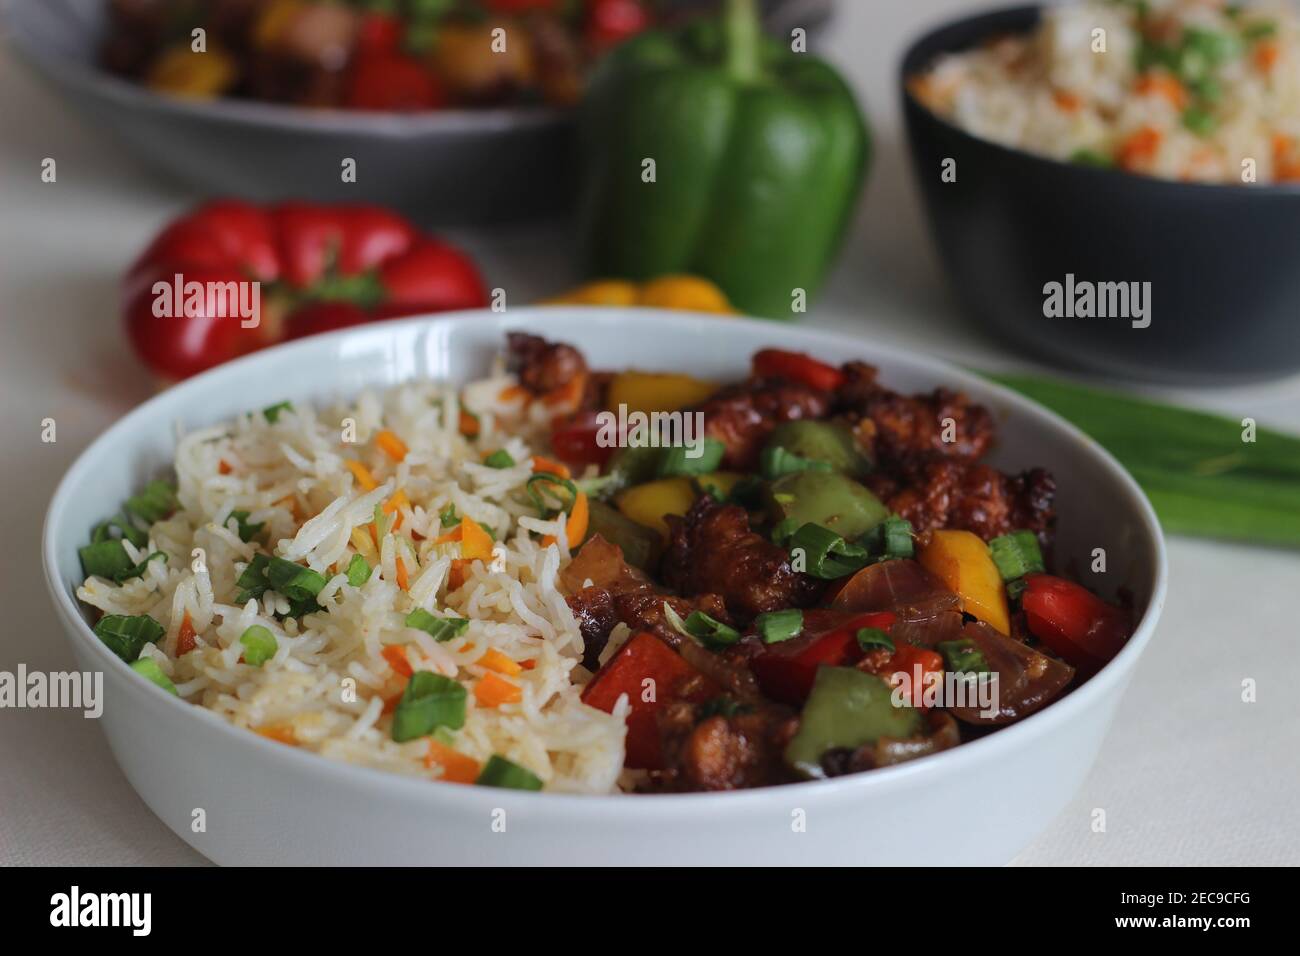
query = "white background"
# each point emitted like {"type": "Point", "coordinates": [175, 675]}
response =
{"type": "Point", "coordinates": [1189, 774]}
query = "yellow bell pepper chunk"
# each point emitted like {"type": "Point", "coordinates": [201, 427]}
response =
{"type": "Point", "coordinates": [599, 292]}
{"type": "Point", "coordinates": [961, 560]}
{"type": "Point", "coordinates": [657, 391]}
{"type": "Point", "coordinates": [722, 482]}
{"type": "Point", "coordinates": [180, 71]}
{"type": "Point", "coordinates": [648, 503]}
{"type": "Point", "coordinates": [684, 292]}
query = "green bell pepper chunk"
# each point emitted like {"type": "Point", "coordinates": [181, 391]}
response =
{"type": "Point", "coordinates": [759, 153]}
{"type": "Point", "coordinates": [847, 708]}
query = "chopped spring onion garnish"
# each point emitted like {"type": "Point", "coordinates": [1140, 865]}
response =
{"type": "Point", "coordinates": [899, 538]}
{"type": "Point", "coordinates": [156, 502]}
{"type": "Point", "coordinates": [777, 626]}
{"type": "Point", "coordinates": [448, 517]}
{"type": "Point", "coordinates": [500, 772]}
{"type": "Point", "coordinates": [358, 571]}
{"type": "Point", "coordinates": [826, 554]}
{"type": "Point", "coordinates": [709, 631]}
{"type": "Point", "coordinates": [963, 656]}
{"type": "Point", "coordinates": [499, 459]}
{"type": "Point", "coordinates": [148, 668]}
{"type": "Point", "coordinates": [272, 412]}
{"type": "Point", "coordinates": [126, 636]}
{"type": "Point", "coordinates": [252, 580]}
{"type": "Point", "coordinates": [109, 559]}
{"type": "Point", "coordinates": [722, 707]}
{"type": "Point", "coordinates": [548, 482]}
{"type": "Point", "coordinates": [676, 461]}
{"type": "Point", "coordinates": [439, 628]}
{"type": "Point", "coordinates": [429, 701]}
{"type": "Point", "coordinates": [259, 645]}
{"type": "Point", "coordinates": [1016, 555]}
{"type": "Point", "coordinates": [293, 580]}
{"type": "Point", "coordinates": [775, 462]}
{"type": "Point", "coordinates": [245, 530]}
{"type": "Point", "coordinates": [871, 638]}
{"type": "Point", "coordinates": [124, 526]}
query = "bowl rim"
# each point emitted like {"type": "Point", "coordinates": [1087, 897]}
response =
{"type": "Point", "coordinates": [95, 81]}
{"type": "Point", "coordinates": [648, 807]}
{"type": "Point", "coordinates": [991, 20]}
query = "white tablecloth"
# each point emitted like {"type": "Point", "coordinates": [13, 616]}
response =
{"type": "Point", "coordinates": [1190, 774]}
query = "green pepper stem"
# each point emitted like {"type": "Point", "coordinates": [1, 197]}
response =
{"type": "Point", "coordinates": [741, 29]}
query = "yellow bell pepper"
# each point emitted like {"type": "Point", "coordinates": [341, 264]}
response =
{"type": "Point", "coordinates": [648, 503]}
{"type": "Point", "coordinates": [657, 391]}
{"type": "Point", "coordinates": [722, 482]}
{"type": "Point", "coordinates": [961, 560]}
{"type": "Point", "coordinates": [600, 292]}
{"type": "Point", "coordinates": [666, 292]}
{"type": "Point", "coordinates": [684, 292]}
{"type": "Point", "coordinates": [179, 71]}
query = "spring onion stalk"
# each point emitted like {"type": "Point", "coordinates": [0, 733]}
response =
{"type": "Point", "coordinates": [441, 629]}
{"type": "Point", "coordinates": [777, 626]}
{"type": "Point", "coordinates": [429, 701]}
{"type": "Point", "coordinates": [1203, 478]}
{"type": "Point", "coordinates": [676, 461]}
{"type": "Point", "coordinates": [872, 638]}
{"type": "Point", "coordinates": [1016, 555]}
{"type": "Point", "coordinates": [500, 772]}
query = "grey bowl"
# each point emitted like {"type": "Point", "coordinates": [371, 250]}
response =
{"type": "Point", "coordinates": [448, 167]}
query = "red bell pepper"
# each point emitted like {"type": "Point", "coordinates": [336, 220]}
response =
{"type": "Point", "coordinates": [643, 658]}
{"type": "Point", "coordinates": [1073, 622]}
{"type": "Point", "coordinates": [610, 22]}
{"type": "Point", "coordinates": [786, 671]}
{"type": "Point", "coordinates": [573, 440]}
{"type": "Point", "coordinates": [906, 659]}
{"type": "Point", "coordinates": [394, 82]}
{"type": "Point", "coordinates": [320, 268]}
{"type": "Point", "coordinates": [798, 367]}
{"type": "Point", "coordinates": [379, 33]}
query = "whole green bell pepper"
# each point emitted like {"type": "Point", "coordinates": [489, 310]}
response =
{"type": "Point", "coordinates": [758, 156]}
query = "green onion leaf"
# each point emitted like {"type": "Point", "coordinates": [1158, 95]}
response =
{"type": "Point", "coordinates": [252, 580]}
{"type": "Point", "coordinates": [898, 538]}
{"type": "Point", "coordinates": [448, 517]}
{"type": "Point", "coordinates": [429, 701]}
{"type": "Point", "coordinates": [548, 483]}
{"type": "Point", "coordinates": [676, 460]}
{"type": "Point", "coordinates": [148, 668]}
{"type": "Point", "coordinates": [826, 554]}
{"type": "Point", "coordinates": [963, 656]}
{"type": "Point", "coordinates": [245, 530]}
{"type": "Point", "coordinates": [272, 412]}
{"type": "Point", "coordinates": [1202, 477]}
{"type": "Point", "coordinates": [870, 638]}
{"type": "Point", "coordinates": [259, 645]}
{"type": "Point", "coordinates": [709, 631]}
{"type": "Point", "coordinates": [1259, 30]}
{"type": "Point", "coordinates": [776, 461]}
{"type": "Point", "coordinates": [499, 459]}
{"type": "Point", "coordinates": [156, 502]}
{"type": "Point", "coordinates": [722, 707]}
{"type": "Point", "coordinates": [1199, 121]}
{"type": "Point", "coordinates": [1090, 157]}
{"type": "Point", "coordinates": [293, 580]}
{"type": "Point", "coordinates": [439, 628]}
{"type": "Point", "coordinates": [777, 626]}
{"type": "Point", "coordinates": [1016, 555]}
{"type": "Point", "coordinates": [500, 772]}
{"type": "Point", "coordinates": [126, 636]}
{"type": "Point", "coordinates": [359, 571]}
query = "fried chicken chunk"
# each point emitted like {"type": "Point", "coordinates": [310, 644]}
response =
{"type": "Point", "coordinates": [742, 416]}
{"type": "Point", "coordinates": [712, 550]}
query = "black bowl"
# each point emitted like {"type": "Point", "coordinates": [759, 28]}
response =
{"type": "Point", "coordinates": [1223, 261]}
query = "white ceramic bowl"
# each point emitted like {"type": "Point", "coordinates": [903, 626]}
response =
{"type": "Point", "coordinates": [265, 803]}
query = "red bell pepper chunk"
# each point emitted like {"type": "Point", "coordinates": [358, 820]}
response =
{"type": "Point", "coordinates": [573, 440]}
{"type": "Point", "coordinates": [393, 81]}
{"type": "Point", "coordinates": [1072, 621]}
{"type": "Point", "coordinates": [798, 367]}
{"type": "Point", "coordinates": [918, 663]}
{"type": "Point", "coordinates": [379, 33]}
{"type": "Point", "coordinates": [610, 22]}
{"type": "Point", "coordinates": [786, 671]}
{"type": "Point", "coordinates": [643, 658]}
